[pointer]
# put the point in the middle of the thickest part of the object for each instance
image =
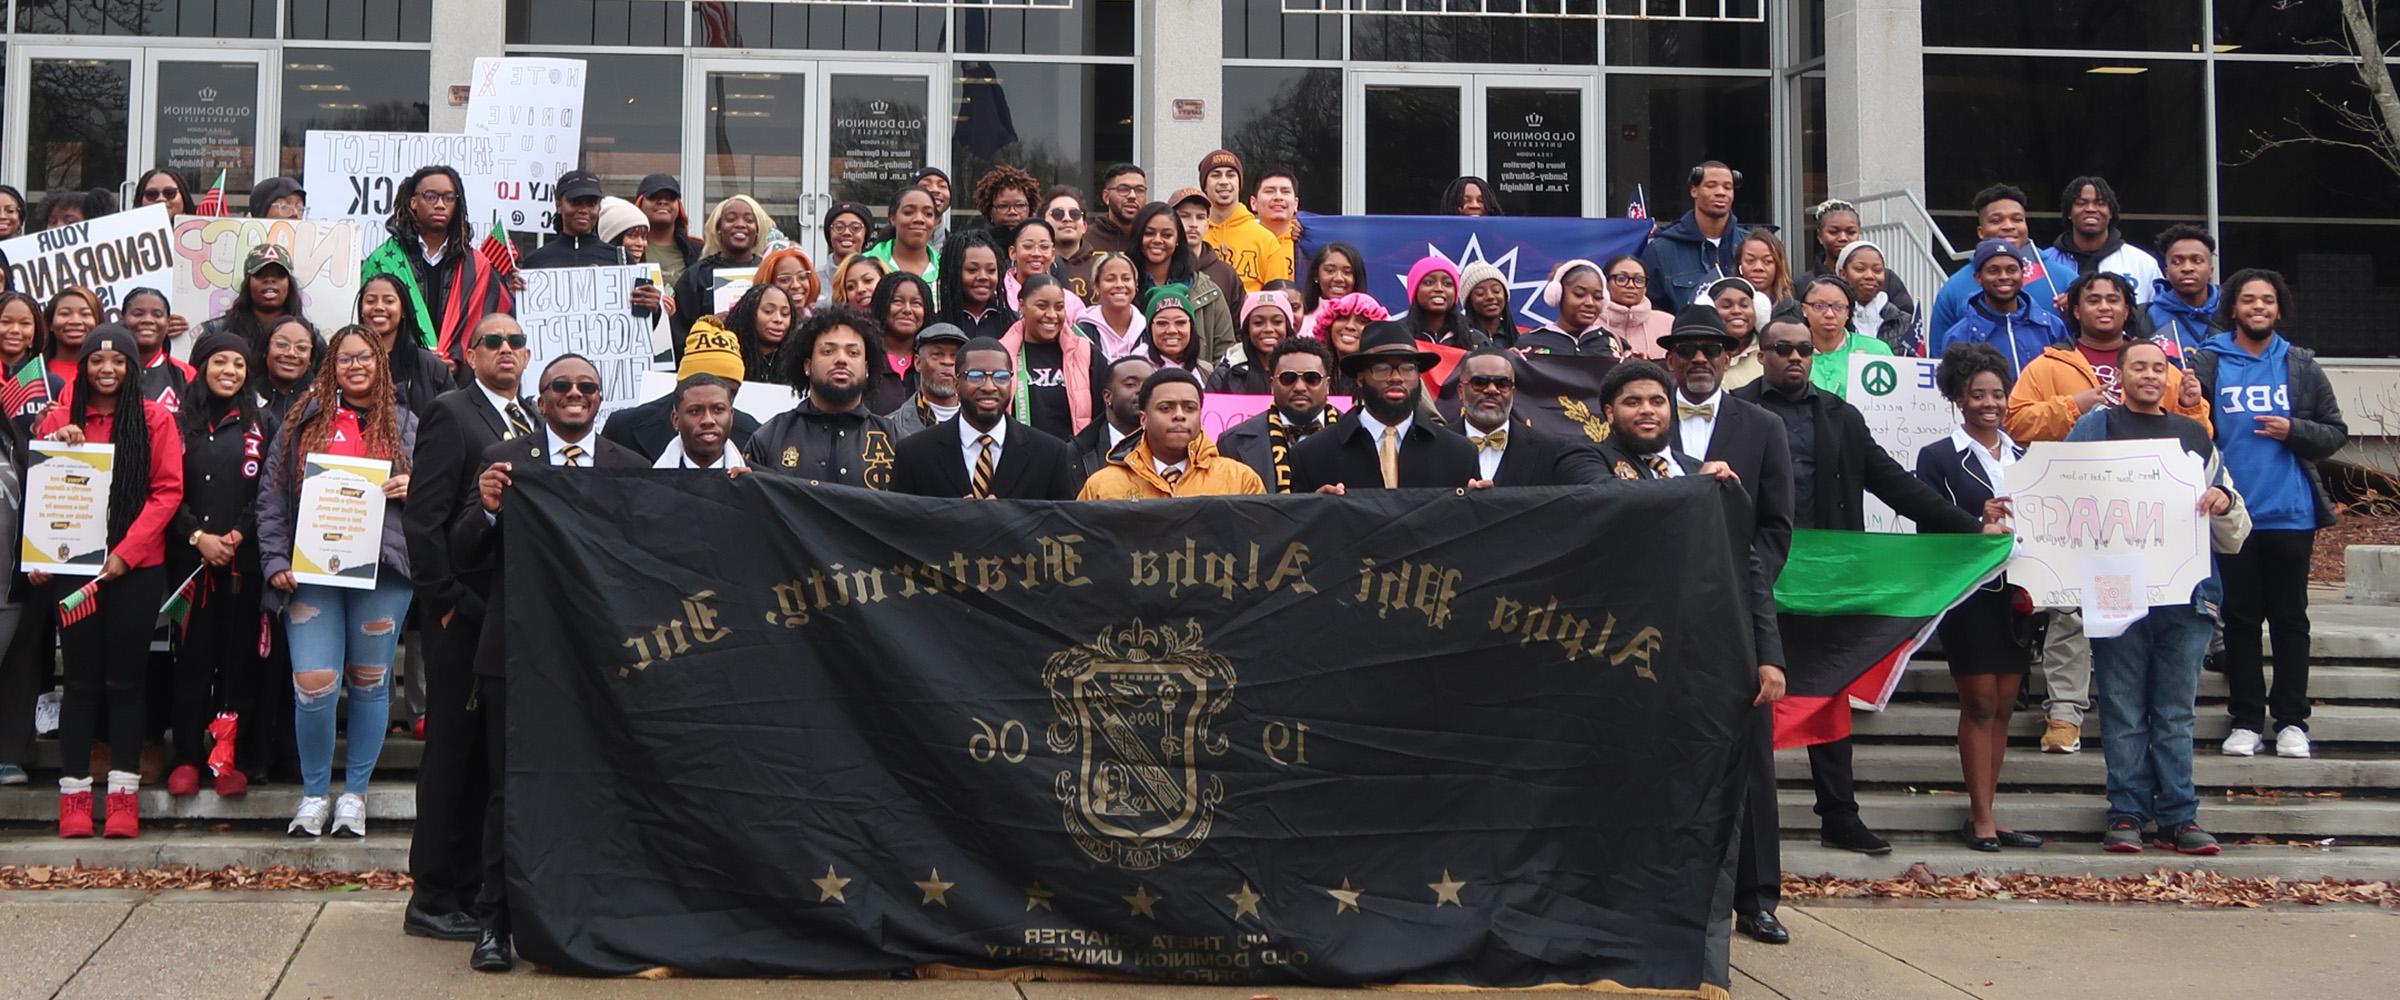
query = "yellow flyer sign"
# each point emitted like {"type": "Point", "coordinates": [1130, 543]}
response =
{"type": "Point", "coordinates": [337, 537]}
{"type": "Point", "coordinates": [66, 508]}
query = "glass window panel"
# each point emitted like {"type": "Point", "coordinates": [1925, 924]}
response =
{"type": "Point", "coordinates": [1687, 43]}
{"type": "Point", "coordinates": [756, 139]}
{"type": "Point", "coordinates": [879, 135]}
{"type": "Point", "coordinates": [2345, 281]}
{"type": "Point", "coordinates": [1258, 29]}
{"type": "Point", "coordinates": [360, 20]}
{"type": "Point", "coordinates": [383, 90]}
{"type": "Point", "coordinates": [1413, 132]}
{"type": "Point", "coordinates": [153, 18]}
{"type": "Point", "coordinates": [1659, 126]}
{"type": "Point", "coordinates": [1813, 183]}
{"type": "Point", "coordinates": [2263, 172]}
{"type": "Point", "coordinates": [1811, 31]}
{"type": "Point", "coordinates": [601, 22]}
{"type": "Point", "coordinates": [1061, 123]}
{"type": "Point", "coordinates": [1090, 28]}
{"type": "Point", "coordinates": [2035, 123]}
{"type": "Point", "coordinates": [1486, 39]}
{"type": "Point", "coordinates": [207, 120]}
{"type": "Point", "coordinates": [76, 129]}
{"type": "Point", "coordinates": [1289, 117]}
{"type": "Point", "coordinates": [840, 28]}
{"type": "Point", "coordinates": [632, 117]}
{"type": "Point", "coordinates": [2312, 26]}
{"type": "Point", "coordinates": [2157, 25]}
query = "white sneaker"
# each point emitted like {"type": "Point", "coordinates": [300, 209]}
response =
{"type": "Point", "coordinates": [2291, 741]}
{"type": "Point", "coordinates": [309, 820]}
{"type": "Point", "coordinates": [349, 816]}
{"type": "Point", "coordinates": [2241, 743]}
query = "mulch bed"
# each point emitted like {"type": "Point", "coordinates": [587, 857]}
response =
{"type": "Point", "coordinates": [2325, 565]}
{"type": "Point", "coordinates": [2185, 888]}
{"type": "Point", "coordinates": [278, 878]}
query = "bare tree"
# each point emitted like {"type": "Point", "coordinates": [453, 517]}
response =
{"type": "Point", "coordinates": [2374, 130]}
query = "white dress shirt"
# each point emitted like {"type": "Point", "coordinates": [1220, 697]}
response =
{"type": "Point", "coordinates": [1162, 467]}
{"type": "Point", "coordinates": [1995, 470]}
{"type": "Point", "coordinates": [500, 405]}
{"type": "Point", "coordinates": [967, 446]}
{"type": "Point", "coordinates": [589, 442]}
{"type": "Point", "coordinates": [1487, 461]}
{"type": "Point", "coordinates": [1698, 431]}
{"type": "Point", "coordinates": [674, 457]}
{"type": "Point", "coordinates": [1379, 429]}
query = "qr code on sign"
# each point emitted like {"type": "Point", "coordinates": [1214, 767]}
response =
{"type": "Point", "coordinates": [2113, 593]}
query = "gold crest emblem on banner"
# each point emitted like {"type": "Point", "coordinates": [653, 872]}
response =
{"type": "Point", "coordinates": [1134, 710]}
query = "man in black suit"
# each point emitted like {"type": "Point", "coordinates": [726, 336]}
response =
{"type": "Point", "coordinates": [1835, 462]}
{"type": "Point", "coordinates": [1508, 450]}
{"type": "Point", "coordinates": [1121, 413]}
{"type": "Point", "coordinates": [444, 850]}
{"type": "Point", "coordinates": [1299, 377]}
{"type": "Point", "coordinates": [982, 454]}
{"type": "Point", "coordinates": [1381, 442]}
{"type": "Point", "coordinates": [569, 404]}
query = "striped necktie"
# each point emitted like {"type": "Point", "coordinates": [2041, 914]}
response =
{"type": "Point", "coordinates": [1658, 465]}
{"type": "Point", "coordinates": [1173, 478]}
{"type": "Point", "coordinates": [518, 426]}
{"type": "Point", "coordinates": [983, 467]}
{"type": "Point", "coordinates": [573, 454]}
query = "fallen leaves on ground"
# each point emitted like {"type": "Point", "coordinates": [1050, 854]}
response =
{"type": "Point", "coordinates": [278, 878]}
{"type": "Point", "coordinates": [2188, 888]}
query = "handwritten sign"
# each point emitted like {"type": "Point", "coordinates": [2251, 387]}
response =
{"type": "Point", "coordinates": [66, 508]}
{"type": "Point", "coordinates": [1220, 410]}
{"type": "Point", "coordinates": [337, 539]}
{"type": "Point", "coordinates": [532, 111]}
{"type": "Point", "coordinates": [325, 257]}
{"type": "Point", "coordinates": [2075, 501]}
{"type": "Point", "coordinates": [1904, 411]}
{"type": "Point", "coordinates": [111, 255]}
{"type": "Point", "coordinates": [354, 176]}
{"type": "Point", "coordinates": [589, 311]}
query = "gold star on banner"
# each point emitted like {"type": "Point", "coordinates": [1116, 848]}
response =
{"type": "Point", "coordinates": [1245, 902]}
{"type": "Point", "coordinates": [1036, 896]}
{"type": "Point", "coordinates": [1446, 890]}
{"type": "Point", "coordinates": [1345, 898]}
{"type": "Point", "coordinates": [1142, 901]}
{"type": "Point", "coordinates": [933, 887]}
{"type": "Point", "coordinates": [829, 888]}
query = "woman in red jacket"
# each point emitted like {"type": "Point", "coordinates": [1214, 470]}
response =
{"type": "Point", "coordinates": [107, 651]}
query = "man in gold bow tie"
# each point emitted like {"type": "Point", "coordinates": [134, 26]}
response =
{"type": "Point", "coordinates": [1508, 451]}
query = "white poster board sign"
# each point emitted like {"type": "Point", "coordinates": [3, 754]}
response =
{"type": "Point", "coordinates": [532, 111]}
{"type": "Point", "coordinates": [1904, 411]}
{"type": "Point", "coordinates": [324, 262]}
{"type": "Point", "coordinates": [588, 311]}
{"type": "Point", "coordinates": [111, 255]}
{"type": "Point", "coordinates": [66, 508]}
{"type": "Point", "coordinates": [354, 176]}
{"type": "Point", "coordinates": [758, 399]}
{"type": "Point", "coordinates": [337, 535]}
{"type": "Point", "coordinates": [2076, 500]}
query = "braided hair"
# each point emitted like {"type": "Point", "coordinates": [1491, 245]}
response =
{"type": "Point", "coordinates": [128, 433]}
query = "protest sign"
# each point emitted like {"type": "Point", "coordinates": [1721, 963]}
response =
{"type": "Point", "coordinates": [727, 285]}
{"type": "Point", "coordinates": [1221, 410]}
{"type": "Point", "coordinates": [66, 508]}
{"type": "Point", "coordinates": [354, 176]}
{"type": "Point", "coordinates": [2074, 500]}
{"type": "Point", "coordinates": [324, 262]}
{"type": "Point", "coordinates": [1904, 411]}
{"type": "Point", "coordinates": [532, 111]}
{"type": "Point", "coordinates": [337, 538]}
{"type": "Point", "coordinates": [588, 311]}
{"type": "Point", "coordinates": [111, 255]}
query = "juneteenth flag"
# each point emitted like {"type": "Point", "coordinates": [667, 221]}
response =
{"type": "Point", "coordinates": [25, 388]}
{"type": "Point", "coordinates": [1853, 606]}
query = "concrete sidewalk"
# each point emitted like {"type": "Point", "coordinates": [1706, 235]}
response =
{"type": "Point", "coordinates": [320, 946]}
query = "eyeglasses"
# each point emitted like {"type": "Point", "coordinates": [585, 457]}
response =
{"type": "Point", "coordinates": [1826, 308]}
{"type": "Point", "coordinates": [1387, 369]}
{"type": "Point", "coordinates": [1635, 280]}
{"type": "Point", "coordinates": [1067, 214]}
{"type": "Point", "coordinates": [1134, 189]}
{"type": "Point", "coordinates": [438, 197]}
{"type": "Point", "coordinates": [352, 360]}
{"type": "Point", "coordinates": [1492, 381]}
{"type": "Point", "coordinates": [1791, 347]}
{"type": "Point", "coordinates": [494, 341]}
{"type": "Point", "coordinates": [999, 376]}
{"type": "Point", "coordinates": [159, 194]}
{"type": "Point", "coordinates": [1290, 379]}
{"type": "Point", "coordinates": [563, 387]}
{"type": "Point", "coordinates": [853, 228]}
{"type": "Point", "coordinates": [1689, 350]}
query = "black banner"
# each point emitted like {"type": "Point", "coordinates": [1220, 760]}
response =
{"type": "Point", "coordinates": [1558, 393]}
{"type": "Point", "coordinates": [761, 727]}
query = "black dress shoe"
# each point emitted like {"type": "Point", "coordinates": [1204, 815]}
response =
{"type": "Point", "coordinates": [491, 953]}
{"type": "Point", "coordinates": [2025, 841]}
{"type": "Point", "coordinates": [1854, 836]}
{"type": "Point", "coordinates": [1762, 927]}
{"type": "Point", "coordinates": [452, 926]}
{"type": "Point", "coordinates": [1988, 845]}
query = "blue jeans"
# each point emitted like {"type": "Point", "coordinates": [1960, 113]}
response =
{"type": "Point", "coordinates": [2145, 683]}
{"type": "Point", "coordinates": [345, 633]}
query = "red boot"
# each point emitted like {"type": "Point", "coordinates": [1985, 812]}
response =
{"type": "Point", "coordinates": [231, 783]}
{"type": "Point", "coordinates": [74, 815]}
{"type": "Point", "coordinates": [184, 780]}
{"type": "Point", "coordinates": [124, 817]}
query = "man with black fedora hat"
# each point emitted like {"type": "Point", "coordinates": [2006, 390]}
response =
{"type": "Point", "coordinates": [1385, 441]}
{"type": "Point", "coordinates": [1508, 450]}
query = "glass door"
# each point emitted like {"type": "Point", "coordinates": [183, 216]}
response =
{"type": "Point", "coordinates": [878, 131]}
{"type": "Point", "coordinates": [1534, 144]}
{"type": "Point", "coordinates": [206, 113]}
{"type": "Point", "coordinates": [70, 119]}
{"type": "Point", "coordinates": [71, 123]}
{"type": "Point", "coordinates": [1411, 132]}
{"type": "Point", "coordinates": [749, 134]}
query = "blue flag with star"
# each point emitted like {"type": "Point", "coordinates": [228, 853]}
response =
{"type": "Point", "coordinates": [1524, 248]}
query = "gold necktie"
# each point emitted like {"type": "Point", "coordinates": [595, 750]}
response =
{"type": "Point", "coordinates": [1388, 457]}
{"type": "Point", "coordinates": [1494, 441]}
{"type": "Point", "coordinates": [1173, 477]}
{"type": "Point", "coordinates": [1686, 411]}
{"type": "Point", "coordinates": [1658, 465]}
{"type": "Point", "coordinates": [983, 467]}
{"type": "Point", "coordinates": [518, 426]}
{"type": "Point", "coordinates": [573, 455]}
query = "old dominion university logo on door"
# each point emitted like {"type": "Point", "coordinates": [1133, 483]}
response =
{"type": "Point", "coordinates": [1134, 710]}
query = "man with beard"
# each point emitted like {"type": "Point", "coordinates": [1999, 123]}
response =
{"type": "Point", "coordinates": [830, 437]}
{"type": "Point", "coordinates": [982, 454]}
{"type": "Point", "coordinates": [1170, 457]}
{"type": "Point", "coordinates": [569, 404]}
{"type": "Point", "coordinates": [1633, 396]}
{"type": "Point", "coordinates": [703, 416]}
{"type": "Point", "coordinates": [1508, 450]}
{"type": "Point", "coordinates": [1382, 443]}
{"type": "Point", "coordinates": [1123, 191]}
{"type": "Point", "coordinates": [935, 373]}
{"type": "Point", "coordinates": [1121, 398]}
{"type": "Point", "coordinates": [1300, 376]}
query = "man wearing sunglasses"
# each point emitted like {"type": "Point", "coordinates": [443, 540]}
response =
{"type": "Point", "coordinates": [1508, 450]}
{"type": "Point", "coordinates": [1300, 377]}
{"type": "Point", "coordinates": [983, 453]}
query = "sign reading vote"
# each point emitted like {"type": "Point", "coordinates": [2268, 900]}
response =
{"type": "Point", "coordinates": [1904, 411]}
{"type": "Point", "coordinates": [2075, 501]}
{"type": "Point", "coordinates": [532, 111]}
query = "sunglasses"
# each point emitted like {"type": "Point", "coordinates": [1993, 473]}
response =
{"type": "Point", "coordinates": [562, 386]}
{"type": "Point", "coordinates": [160, 194]}
{"type": "Point", "coordinates": [1687, 351]}
{"type": "Point", "coordinates": [1492, 381]}
{"type": "Point", "coordinates": [1789, 348]}
{"type": "Point", "coordinates": [494, 341]}
{"type": "Point", "coordinates": [1290, 379]}
{"type": "Point", "coordinates": [1067, 214]}
{"type": "Point", "coordinates": [999, 376]}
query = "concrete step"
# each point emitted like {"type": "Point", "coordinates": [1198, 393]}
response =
{"type": "Point", "coordinates": [385, 849]}
{"type": "Point", "coordinates": [399, 759]}
{"type": "Point", "coordinates": [2363, 724]}
{"type": "Point", "coordinates": [271, 804]}
{"type": "Point", "coordinates": [2326, 682]}
{"type": "Point", "coordinates": [2085, 858]}
{"type": "Point", "coordinates": [2081, 814]}
{"type": "Point", "coordinates": [1933, 766]}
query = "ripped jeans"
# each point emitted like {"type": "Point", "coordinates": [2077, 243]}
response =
{"type": "Point", "coordinates": [337, 634]}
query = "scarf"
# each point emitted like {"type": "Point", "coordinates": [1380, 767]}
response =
{"type": "Point", "coordinates": [469, 285]}
{"type": "Point", "coordinates": [1279, 447]}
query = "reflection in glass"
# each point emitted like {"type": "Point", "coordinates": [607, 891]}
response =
{"type": "Point", "coordinates": [206, 121]}
{"type": "Point", "coordinates": [1289, 118]}
{"type": "Point", "coordinates": [2345, 281]}
{"type": "Point", "coordinates": [77, 125]}
{"type": "Point", "coordinates": [2037, 122]}
{"type": "Point", "coordinates": [354, 21]}
{"type": "Point", "coordinates": [1259, 29]}
{"type": "Point", "coordinates": [153, 18]}
{"type": "Point", "coordinates": [355, 90]}
{"type": "Point", "coordinates": [1486, 39]}
{"type": "Point", "coordinates": [844, 27]}
{"type": "Point", "coordinates": [1658, 127]}
{"type": "Point", "coordinates": [2156, 25]}
{"type": "Point", "coordinates": [1061, 123]}
{"type": "Point", "coordinates": [601, 22]}
{"type": "Point", "coordinates": [1687, 43]}
{"type": "Point", "coordinates": [2262, 107]}
{"type": "Point", "coordinates": [1412, 136]}
{"type": "Point", "coordinates": [2310, 26]}
{"type": "Point", "coordinates": [1813, 183]}
{"type": "Point", "coordinates": [755, 142]}
{"type": "Point", "coordinates": [877, 138]}
{"type": "Point", "coordinates": [632, 117]}
{"type": "Point", "coordinates": [1533, 148]}
{"type": "Point", "coordinates": [1089, 28]}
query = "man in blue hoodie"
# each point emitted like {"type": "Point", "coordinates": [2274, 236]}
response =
{"type": "Point", "coordinates": [1999, 214]}
{"type": "Point", "coordinates": [1699, 248]}
{"type": "Point", "coordinates": [1999, 315]}
{"type": "Point", "coordinates": [2275, 418]}
{"type": "Point", "coordinates": [2183, 302]}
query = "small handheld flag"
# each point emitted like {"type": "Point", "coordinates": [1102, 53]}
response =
{"type": "Point", "coordinates": [497, 251]}
{"type": "Point", "coordinates": [82, 604]}
{"type": "Point", "coordinates": [25, 388]}
{"type": "Point", "coordinates": [214, 203]}
{"type": "Point", "coordinates": [178, 609]}
{"type": "Point", "coordinates": [1637, 208]}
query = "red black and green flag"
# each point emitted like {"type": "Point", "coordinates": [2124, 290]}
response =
{"type": "Point", "coordinates": [1853, 606]}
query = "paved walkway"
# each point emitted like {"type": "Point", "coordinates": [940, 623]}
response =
{"type": "Point", "coordinates": [317, 946]}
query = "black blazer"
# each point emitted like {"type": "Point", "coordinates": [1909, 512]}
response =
{"type": "Point", "coordinates": [1756, 446]}
{"type": "Point", "coordinates": [1849, 465]}
{"type": "Point", "coordinates": [1537, 458]}
{"type": "Point", "coordinates": [1344, 452]}
{"type": "Point", "coordinates": [1956, 474]}
{"type": "Point", "coordinates": [453, 432]}
{"type": "Point", "coordinates": [1091, 447]}
{"type": "Point", "coordinates": [1766, 636]}
{"type": "Point", "coordinates": [1621, 463]}
{"type": "Point", "coordinates": [475, 538]}
{"type": "Point", "coordinates": [1033, 465]}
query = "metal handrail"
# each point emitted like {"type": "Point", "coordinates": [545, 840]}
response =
{"type": "Point", "coordinates": [1898, 222]}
